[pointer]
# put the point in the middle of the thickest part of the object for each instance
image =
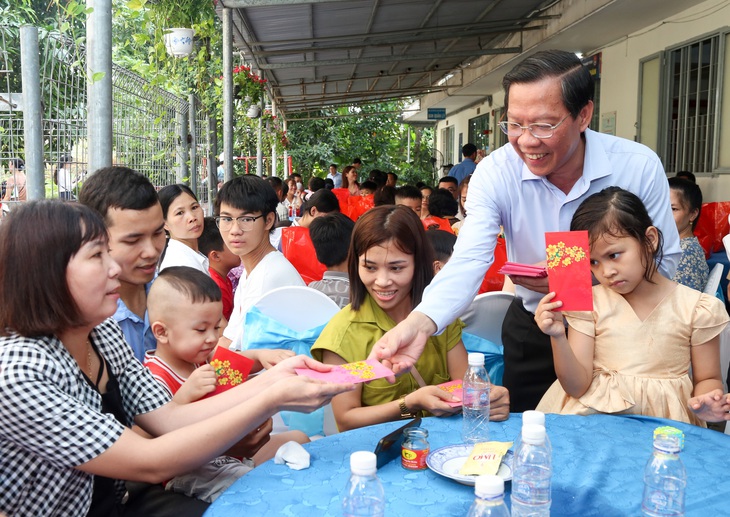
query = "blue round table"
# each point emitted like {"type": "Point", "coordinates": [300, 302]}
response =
{"type": "Point", "coordinates": [598, 464]}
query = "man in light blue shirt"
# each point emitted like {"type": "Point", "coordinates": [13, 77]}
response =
{"type": "Point", "coordinates": [335, 176]}
{"type": "Point", "coordinates": [128, 203]}
{"type": "Point", "coordinates": [467, 165]}
{"type": "Point", "coordinates": [531, 186]}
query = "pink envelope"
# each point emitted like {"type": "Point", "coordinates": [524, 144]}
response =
{"type": "Point", "coordinates": [360, 371]}
{"type": "Point", "coordinates": [455, 388]}
{"type": "Point", "coordinates": [514, 268]}
{"type": "Point", "coordinates": [569, 269]}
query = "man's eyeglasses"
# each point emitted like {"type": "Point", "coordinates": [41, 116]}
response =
{"type": "Point", "coordinates": [538, 130]}
{"type": "Point", "coordinates": [245, 222]}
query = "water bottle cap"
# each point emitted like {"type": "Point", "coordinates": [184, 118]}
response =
{"type": "Point", "coordinates": [476, 359]}
{"type": "Point", "coordinates": [669, 433]}
{"type": "Point", "coordinates": [533, 434]}
{"type": "Point", "coordinates": [533, 417]}
{"type": "Point", "coordinates": [489, 486]}
{"type": "Point", "coordinates": [363, 463]}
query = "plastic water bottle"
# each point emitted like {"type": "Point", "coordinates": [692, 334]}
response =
{"type": "Point", "coordinates": [489, 500]}
{"type": "Point", "coordinates": [664, 479]}
{"type": "Point", "coordinates": [532, 417]}
{"type": "Point", "coordinates": [364, 496]}
{"type": "Point", "coordinates": [531, 474]}
{"type": "Point", "coordinates": [475, 401]}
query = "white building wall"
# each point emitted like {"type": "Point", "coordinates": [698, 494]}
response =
{"type": "Point", "coordinates": [620, 80]}
{"type": "Point", "coordinates": [620, 73]}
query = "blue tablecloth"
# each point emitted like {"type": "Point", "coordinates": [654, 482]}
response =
{"type": "Point", "coordinates": [598, 464]}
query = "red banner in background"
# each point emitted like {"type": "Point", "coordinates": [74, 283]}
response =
{"type": "Point", "coordinates": [493, 280]}
{"type": "Point", "coordinates": [713, 226]}
{"type": "Point", "coordinates": [297, 247]}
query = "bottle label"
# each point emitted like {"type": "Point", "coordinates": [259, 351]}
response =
{"type": "Point", "coordinates": [414, 459]}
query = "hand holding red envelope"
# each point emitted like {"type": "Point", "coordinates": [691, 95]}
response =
{"type": "Point", "coordinates": [231, 369]}
{"type": "Point", "coordinates": [569, 269]}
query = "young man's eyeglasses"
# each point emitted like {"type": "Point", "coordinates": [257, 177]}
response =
{"type": "Point", "coordinates": [538, 130]}
{"type": "Point", "coordinates": [245, 222]}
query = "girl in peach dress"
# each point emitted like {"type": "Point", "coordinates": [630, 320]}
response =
{"type": "Point", "coordinates": [632, 354]}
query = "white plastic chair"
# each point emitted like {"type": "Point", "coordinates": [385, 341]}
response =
{"type": "Point", "coordinates": [726, 243]}
{"type": "Point", "coordinates": [713, 280]}
{"type": "Point", "coordinates": [300, 308]}
{"type": "Point", "coordinates": [486, 313]}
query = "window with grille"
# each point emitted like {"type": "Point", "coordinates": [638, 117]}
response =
{"type": "Point", "coordinates": [479, 131]}
{"type": "Point", "coordinates": [447, 144]}
{"type": "Point", "coordinates": [693, 81]}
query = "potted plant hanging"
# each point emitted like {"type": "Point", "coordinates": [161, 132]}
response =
{"type": "Point", "coordinates": [248, 87]}
{"type": "Point", "coordinates": [175, 19]}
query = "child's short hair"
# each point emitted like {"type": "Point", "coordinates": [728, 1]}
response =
{"type": "Point", "coordinates": [189, 282]}
{"type": "Point", "coordinates": [408, 192]}
{"type": "Point", "coordinates": [442, 243]}
{"type": "Point", "coordinates": [442, 204]}
{"type": "Point", "coordinates": [690, 193]}
{"type": "Point", "coordinates": [369, 185]}
{"type": "Point", "coordinates": [331, 234]}
{"type": "Point", "coordinates": [619, 213]}
{"type": "Point", "coordinates": [210, 239]}
{"type": "Point", "coordinates": [385, 195]}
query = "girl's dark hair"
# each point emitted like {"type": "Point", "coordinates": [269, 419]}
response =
{"type": "Point", "coordinates": [170, 193]}
{"type": "Point", "coordinates": [691, 195]}
{"type": "Point", "coordinates": [41, 237]}
{"type": "Point", "coordinates": [380, 225]}
{"type": "Point", "coordinates": [619, 213]}
{"type": "Point", "coordinates": [576, 82]}
{"type": "Point", "coordinates": [18, 163]}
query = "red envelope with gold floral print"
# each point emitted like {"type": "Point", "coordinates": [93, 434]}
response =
{"type": "Point", "coordinates": [569, 269]}
{"type": "Point", "coordinates": [231, 369]}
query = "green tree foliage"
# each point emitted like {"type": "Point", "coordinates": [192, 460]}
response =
{"type": "Point", "coordinates": [370, 132]}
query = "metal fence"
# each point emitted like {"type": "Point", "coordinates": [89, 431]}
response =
{"type": "Point", "coordinates": [150, 125]}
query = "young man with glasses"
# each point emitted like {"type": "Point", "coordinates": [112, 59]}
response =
{"type": "Point", "coordinates": [532, 186]}
{"type": "Point", "coordinates": [246, 214]}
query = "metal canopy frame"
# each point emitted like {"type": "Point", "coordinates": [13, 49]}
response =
{"type": "Point", "coordinates": [322, 53]}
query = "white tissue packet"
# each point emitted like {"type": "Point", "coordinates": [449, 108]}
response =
{"type": "Point", "coordinates": [294, 455]}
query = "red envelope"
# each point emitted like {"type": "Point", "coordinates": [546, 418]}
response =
{"type": "Point", "coordinates": [569, 269]}
{"type": "Point", "coordinates": [514, 268]}
{"type": "Point", "coordinates": [231, 369]}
